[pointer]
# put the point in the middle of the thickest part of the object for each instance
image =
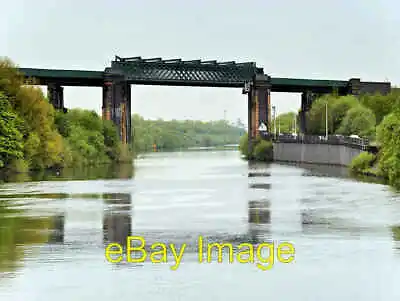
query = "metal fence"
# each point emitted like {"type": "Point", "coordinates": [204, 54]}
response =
{"type": "Point", "coordinates": [359, 143]}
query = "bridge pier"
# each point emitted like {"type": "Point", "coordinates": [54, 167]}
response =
{"type": "Point", "coordinates": [55, 94]}
{"type": "Point", "coordinates": [354, 86]}
{"type": "Point", "coordinates": [307, 99]}
{"type": "Point", "coordinates": [259, 107]}
{"type": "Point", "coordinates": [117, 107]}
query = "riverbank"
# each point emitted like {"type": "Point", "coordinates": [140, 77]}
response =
{"type": "Point", "coordinates": [385, 164]}
{"type": "Point", "coordinates": [35, 137]}
{"type": "Point", "coordinates": [262, 149]}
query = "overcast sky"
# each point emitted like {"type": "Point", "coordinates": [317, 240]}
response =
{"type": "Point", "coordinates": [306, 39]}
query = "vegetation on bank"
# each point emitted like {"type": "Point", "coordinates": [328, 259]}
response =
{"type": "Point", "coordinates": [33, 136]}
{"type": "Point", "coordinates": [262, 149]}
{"type": "Point", "coordinates": [376, 117]}
{"type": "Point", "coordinates": [286, 123]}
{"type": "Point", "coordinates": [173, 135]}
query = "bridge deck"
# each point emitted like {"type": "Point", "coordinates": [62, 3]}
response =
{"type": "Point", "coordinates": [65, 77]}
{"type": "Point", "coordinates": [96, 78]}
{"type": "Point", "coordinates": [280, 84]}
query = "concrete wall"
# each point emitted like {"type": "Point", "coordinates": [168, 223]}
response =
{"type": "Point", "coordinates": [340, 155]}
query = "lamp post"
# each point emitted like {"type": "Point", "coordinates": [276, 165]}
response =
{"type": "Point", "coordinates": [279, 126]}
{"type": "Point", "coordinates": [326, 121]}
{"type": "Point", "coordinates": [274, 114]}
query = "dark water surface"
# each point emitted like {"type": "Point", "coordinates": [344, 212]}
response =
{"type": "Point", "coordinates": [53, 233]}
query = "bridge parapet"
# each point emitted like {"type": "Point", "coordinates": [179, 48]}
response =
{"type": "Point", "coordinates": [358, 143]}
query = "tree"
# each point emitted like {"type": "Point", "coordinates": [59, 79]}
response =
{"type": "Point", "coordinates": [339, 107]}
{"type": "Point", "coordinates": [316, 116]}
{"type": "Point", "coordinates": [358, 121]}
{"type": "Point", "coordinates": [388, 135]}
{"type": "Point", "coordinates": [285, 122]}
{"type": "Point", "coordinates": [11, 140]}
{"type": "Point", "coordinates": [381, 105]}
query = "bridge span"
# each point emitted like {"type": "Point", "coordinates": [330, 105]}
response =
{"type": "Point", "coordinates": [116, 83]}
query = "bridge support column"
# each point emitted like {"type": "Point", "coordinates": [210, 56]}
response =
{"type": "Point", "coordinates": [307, 99]}
{"type": "Point", "coordinates": [259, 108]}
{"type": "Point", "coordinates": [261, 93]}
{"type": "Point", "coordinates": [55, 94]}
{"type": "Point", "coordinates": [117, 107]}
{"type": "Point", "coordinates": [354, 86]}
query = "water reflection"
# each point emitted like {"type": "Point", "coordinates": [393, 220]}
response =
{"type": "Point", "coordinates": [259, 220]}
{"type": "Point", "coordinates": [112, 171]}
{"type": "Point", "coordinates": [396, 237]}
{"type": "Point", "coordinates": [18, 229]}
{"type": "Point", "coordinates": [253, 174]}
{"type": "Point", "coordinates": [56, 236]}
{"type": "Point", "coordinates": [259, 213]}
{"type": "Point", "coordinates": [117, 218]}
{"type": "Point", "coordinates": [260, 185]}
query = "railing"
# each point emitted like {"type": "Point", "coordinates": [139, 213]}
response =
{"type": "Point", "coordinates": [359, 143]}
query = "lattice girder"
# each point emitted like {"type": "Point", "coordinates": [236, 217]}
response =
{"type": "Point", "coordinates": [178, 72]}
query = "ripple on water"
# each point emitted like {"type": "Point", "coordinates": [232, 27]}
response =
{"type": "Point", "coordinates": [341, 229]}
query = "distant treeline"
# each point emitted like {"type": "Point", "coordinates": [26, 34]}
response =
{"type": "Point", "coordinates": [175, 134]}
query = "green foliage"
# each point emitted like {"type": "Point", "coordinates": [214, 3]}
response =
{"type": "Point", "coordinates": [262, 149]}
{"type": "Point", "coordinates": [285, 123]}
{"type": "Point", "coordinates": [174, 134]}
{"type": "Point", "coordinates": [337, 108]}
{"type": "Point", "coordinates": [34, 136]}
{"type": "Point", "coordinates": [359, 121]}
{"type": "Point", "coordinates": [388, 135]}
{"type": "Point", "coordinates": [316, 116]}
{"type": "Point", "coordinates": [381, 105]}
{"type": "Point", "coordinates": [89, 139]}
{"type": "Point", "coordinates": [11, 140]}
{"type": "Point", "coordinates": [362, 163]}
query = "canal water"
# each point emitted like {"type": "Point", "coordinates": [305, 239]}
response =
{"type": "Point", "coordinates": [53, 232]}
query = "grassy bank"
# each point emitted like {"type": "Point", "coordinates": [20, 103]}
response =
{"type": "Point", "coordinates": [33, 136]}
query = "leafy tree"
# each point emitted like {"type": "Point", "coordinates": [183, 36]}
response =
{"type": "Point", "coordinates": [11, 140]}
{"type": "Point", "coordinates": [381, 105]}
{"type": "Point", "coordinates": [316, 116]}
{"type": "Point", "coordinates": [285, 123]}
{"type": "Point", "coordinates": [339, 106]}
{"type": "Point", "coordinates": [388, 135]}
{"type": "Point", "coordinates": [359, 121]}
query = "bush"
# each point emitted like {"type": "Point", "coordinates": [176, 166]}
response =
{"type": "Point", "coordinates": [362, 163]}
{"type": "Point", "coordinates": [263, 151]}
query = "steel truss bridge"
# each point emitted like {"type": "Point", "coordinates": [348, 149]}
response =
{"type": "Point", "coordinates": [117, 79]}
